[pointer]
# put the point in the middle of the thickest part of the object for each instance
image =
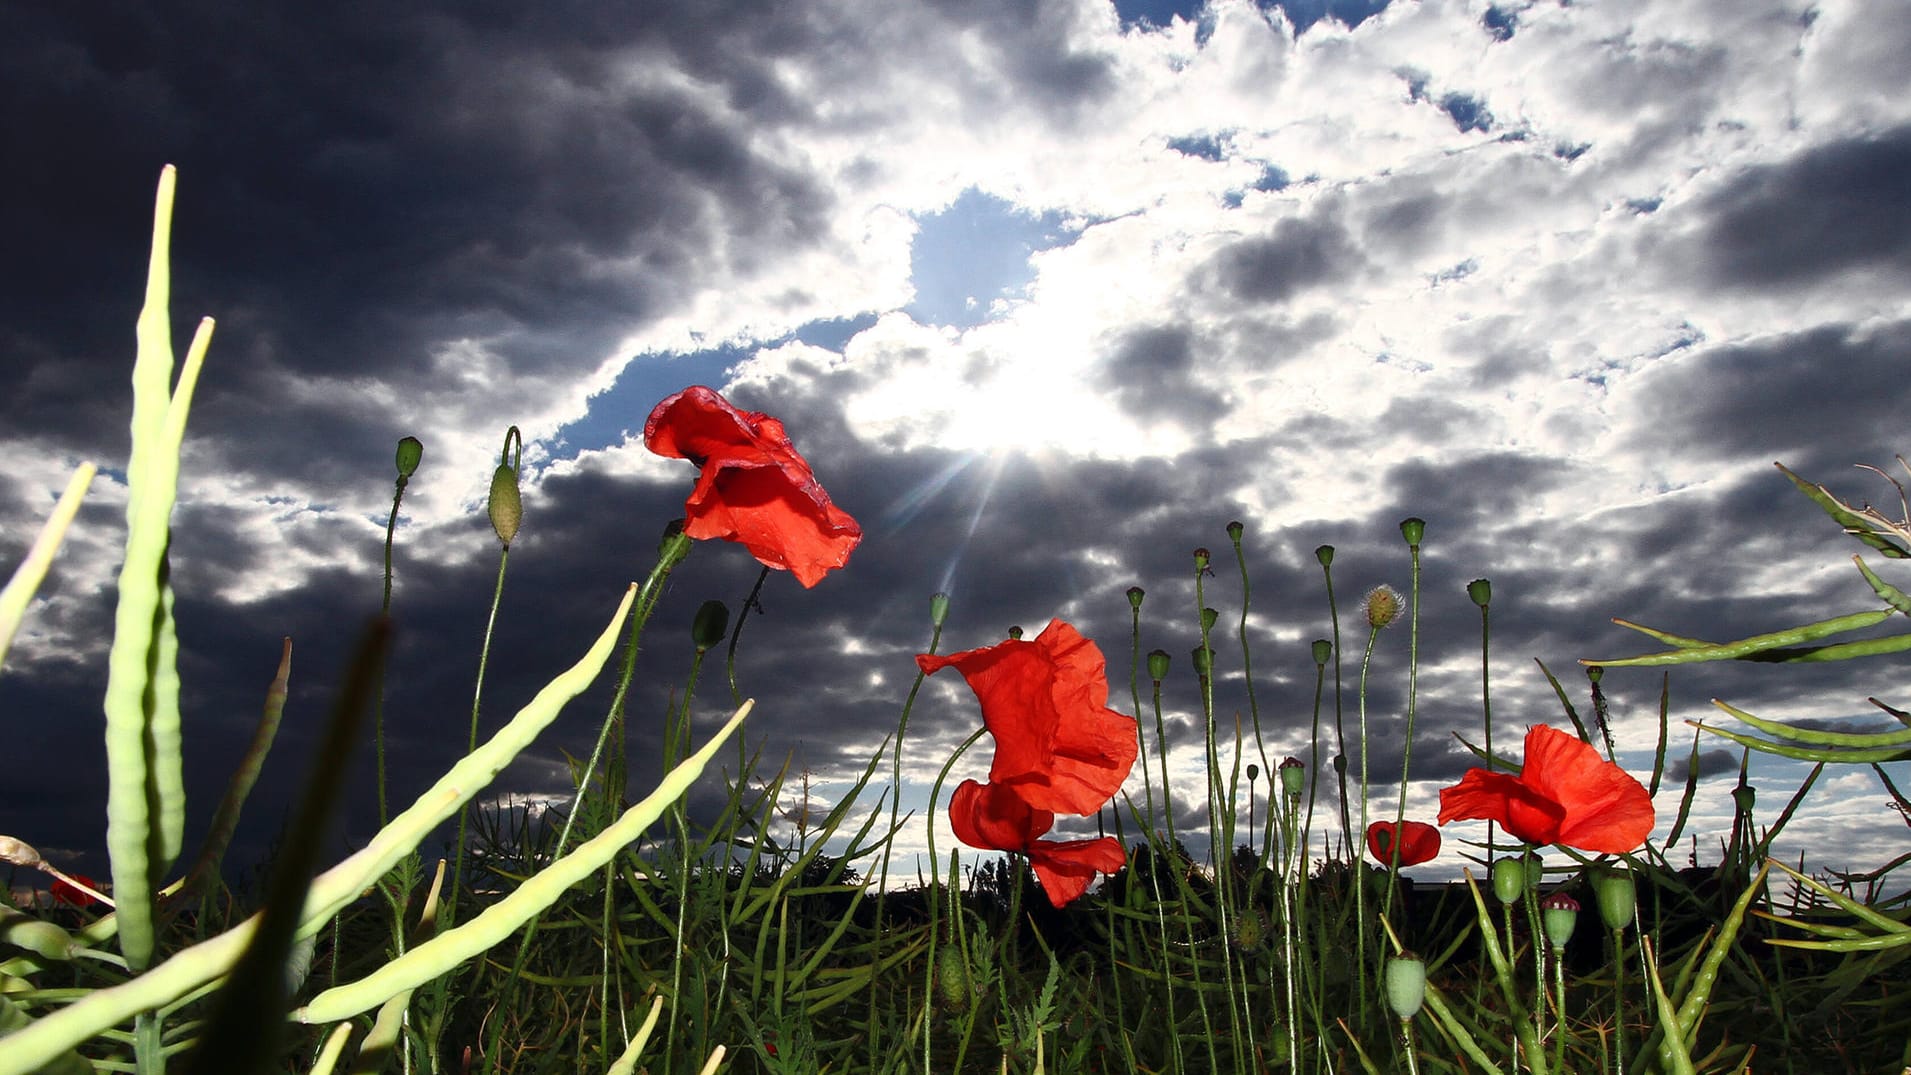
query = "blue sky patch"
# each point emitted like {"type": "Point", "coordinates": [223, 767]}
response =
{"type": "Point", "coordinates": [972, 253]}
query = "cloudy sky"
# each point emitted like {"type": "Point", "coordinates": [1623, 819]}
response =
{"type": "Point", "coordinates": [1048, 291]}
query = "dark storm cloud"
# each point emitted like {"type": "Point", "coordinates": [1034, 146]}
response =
{"type": "Point", "coordinates": [1296, 255]}
{"type": "Point", "coordinates": [1159, 372]}
{"type": "Point", "coordinates": [1834, 208]}
{"type": "Point", "coordinates": [1806, 399]}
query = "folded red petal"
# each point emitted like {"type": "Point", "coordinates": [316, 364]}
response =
{"type": "Point", "coordinates": [753, 487]}
{"type": "Point", "coordinates": [993, 816]}
{"type": "Point", "coordinates": [1419, 842]}
{"type": "Point", "coordinates": [1565, 794]}
{"type": "Point", "coordinates": [1067, 867]}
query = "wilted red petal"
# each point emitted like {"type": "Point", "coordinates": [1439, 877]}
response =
{"type": "Point", "coordinates": [1045, 702]}
{"type": "Point", "coordinates": [1066, 867]}
{"type": "Point", "coordinates": [1419, 841]}
{"type": "Point", "coordinates": [753, 487]}
{"type": "Point", "coordinates": [994, 817]}
{"type": "Point", "coordinates": [1565, 794]}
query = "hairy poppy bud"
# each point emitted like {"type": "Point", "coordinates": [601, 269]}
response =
{"type": "Point", "coordinates": [1613, 892]}
{"type": "Point", "coordinates": [1406, 983]}
{"type": "Point", "coordinates": [938, 609]}
{"type": "Point", "coordinates": [1325, 554]}
{"type": "Point", "coordinates": [1512, 875]}
{"type": "Point", "coordinates": [1293, 776]}
{"type": "Point", "coordinates": [1323, 649]}
{"type": "Point", "coordinates": [953, 985]}
{"type": "Point", "coordinates": [709, 624]}
{"type": "Point", "coordinates": [411, 452]}
{"type": "Point", "coordinates": [1481, 591]}
{"type": "Point", "coordinates": [1558, 914]}
{"type": "Point", "coordinates": [1158, 665]}
{"type": "Point", "coordinates": [1135, 594]}
{"type": "Point", "coordinates": [1413, 529]}
{"type": "Point", "coordinates": [1382, 606]}
{"type": "Point", "coordinates": [504, 505]}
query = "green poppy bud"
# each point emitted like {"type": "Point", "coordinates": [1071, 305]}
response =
{"type": "Point", "coordinates": [1481, 591]}
{"type": "Point", "coordinates": [1413, 529]}
{"type": "Point", "coordinates": [1203, 661]}
{"type": "Point", "coordinates": [1511, 876]}
{"type": "Point", "coordinates": [1325, 554]}
{"type": "Point", "coordinates": [1234, 531]}
{"type": "Point", "coordinates": [1015, 633]}
{"type": "Point", "coordinates": [411, 452]}
{"type": "Point", "coordinates": [1158, 666]}
{"type": "Point", "coordinates": [505, 507]}
{"type": "Point", "coordinates": [1323, 649]}
{"type": "Point", "coordinates": [672, 531]}
{"type": "Point", "coordinates": [1208, 618]}
{"type": "Point", "coordinates": [1406, 983]}
{"type": "Point", "coordinates": [938, 609]}
{"type": "Point", "coordinates": [954, 987]}
{"type": "Point", "coordinates": [1135, 594]}
{"type": "Point", "coordinates": [707, 627]}
{"type": "Point", "coordinates": [1293, 776]}
{"type": "Point", "coordinates": [1613, 891]}
{"type": "Point", "coordinates": [1558, 914]}
{"type": "Point", "coordinates": [1382, 606]}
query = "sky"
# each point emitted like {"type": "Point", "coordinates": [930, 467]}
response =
{"type": "Point", "coordinates": [1047, 291]}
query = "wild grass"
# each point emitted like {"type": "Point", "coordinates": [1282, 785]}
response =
{"type": "Point", "coordinates": [615, 936]}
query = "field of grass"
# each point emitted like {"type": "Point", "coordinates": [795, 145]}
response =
{"type": "Point", "coordinates": [621, 936]}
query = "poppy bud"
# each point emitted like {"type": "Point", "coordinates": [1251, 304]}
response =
{"type": "Point", "coordinates": [1323, 649]}
{"type": "Point", "coordinates": [709, 624]}
{"type": "Point", "coordinates": [938, 609]}
{"type": "Point", "coordinates": [411, 452]}
{"type": "Point", "coordinates": [1293, 776]}
{"type": "Point", "coordinates": [1208, 618]}
{"type": "Point", "coordinates": [1135, 594]}
{"type": "Point", "coordinates": [1234, 531]}
{"type": "Point", "coordinates": [953, 984]}
{"type": "Point", "coordinates": [1340, 764]}
{"type": "Point", "coordinates": [1481, 591]}
{"type": "Point", "coordinates": [1413, 529]}
{"type": "Point", "coordinates": [1558, 914]}
{"type": "Point", "coordinates": [505, 506]}
{"type": "Point", "coordinates": [1512, 875]}
{"type": "Point", "coordinates": [1158, 666]}
{"type": "Point", "coordinates": [1203, 661]}
{"type": "Point", "coordinates": [1253, 772]}
{"type": "Point", "coordinates": [1015, 632]}
{"type": "Point", "coordinates": [1325, 554]}
{"type": "Point", "coordinates": [1612, 890]}
{"type": "Point", "coordinates": [1406, 983]}
{"type": "Point", "coordinates": [1382, 606]}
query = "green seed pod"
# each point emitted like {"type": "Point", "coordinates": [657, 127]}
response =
{"type": "Point", "coordinates": [1135, 594]}
{"type": "Point", "coordinates": [1406, 983]}
{"type": "Point", "coordinates": [1481, 591]}
{"type": "Point", "coordinates": [1253, 772]}
{"type": "Point", "coordinates": [1558, 914]}
{"type": "Point", "coordinates": [411, 452]}
{"type": "Point", "coordinates": [505, 507]}
{"type": "Point", "coordinates": [1613, 892]}
{"type": "Point", "coordinates": [43, 939]}
{"type": "Point", "coordinates": [1203, 661]}
{"type": "Point", "coordinates": [1743, 797]}
{"type": "Point", "coordinates": [1208, 618]}
{"type": "Point", "coordinates": [1235, 530]}
{"type": "Point", "coordinates": [1510, 878]}
{"type": "Point", "coordinates": [1413, 529]}
{"type": "Point", "coordinates": [1158, 666]}
{"type": "Point", "coordinates": [1015, 633]}
{"type": "Point", "coordinates": [938, 609]}
{"type": "Point", "coordinates": [1325, 554]}
{"type": "Point", "coordinates": [707, 627]}
{"type": "Point", "coordinates": [1293, 777]}
{"type": "Point", "coordinates": [1323, 649]}
{"type": "Point", "coordinates": [1340, 765]}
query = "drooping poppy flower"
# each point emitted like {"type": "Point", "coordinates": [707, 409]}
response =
{"type": "Point", "coordinates": [995, 817]}
{"type": "Point", "coordinates": [1565, 794]}
{"type": "Point", "coordinates": [1419, 842]}
{"type": "Point", "coordinates": [753, 487]}
{"type": "Point", "coordinates": [1045, 701]}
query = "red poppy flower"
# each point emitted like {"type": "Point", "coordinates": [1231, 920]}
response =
{"type": "Point", "coordinates": [994, 816]}
{"type": "Point", "coordinates": [1045, 701]}
{"type": "Point", "coordinates": [73, 896]}
{"type": "Point", "coordinates": [1566, 794]}
{"type": "Point", "coordinates": [1419, 842]}
{"type": "Point", "coordinates": [754, 488]}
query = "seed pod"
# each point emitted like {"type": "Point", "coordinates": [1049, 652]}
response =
{"type": "Point", "coordinates": [1558, 913]}
{"type": "Point", "coordinates": [1510, 878]}
{"type": "Point", "coordinates": [1413, 529]}
{"type": "Point", "coordinates": [411, 452]}
{"type": "Point", "coordinates": [1613, 892]}
{"type": "Point", "coordinates": [1481, 591]}
{"type": "Point", "coordinates": [1325, 554]}
{"type": "Point", "coordinates": [707, 627]}
{"type": "Point", "coordinates": [1323, 649]}
{"type": "Point", "coordinates": [1158, 666]}
{"type": "Point", "coordinates": [1293, 776]}
{"type": "Point", "coordinates": [1135, 594]}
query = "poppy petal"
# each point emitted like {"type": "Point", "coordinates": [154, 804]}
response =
{"type": "Point", "coordinates": [1605, 808]}
{"type": "Point", "coordinates": [1484, 796]}
{"type": "Point", "coordinates": [994, 817]}
{"type": "Point", "coordinates": [1067, 867]}
{"type": "Point", "coordinates": [1419, 841]}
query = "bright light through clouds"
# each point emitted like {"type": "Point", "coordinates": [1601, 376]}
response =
{"type": "Point", "coordinates": [1047, 293]}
